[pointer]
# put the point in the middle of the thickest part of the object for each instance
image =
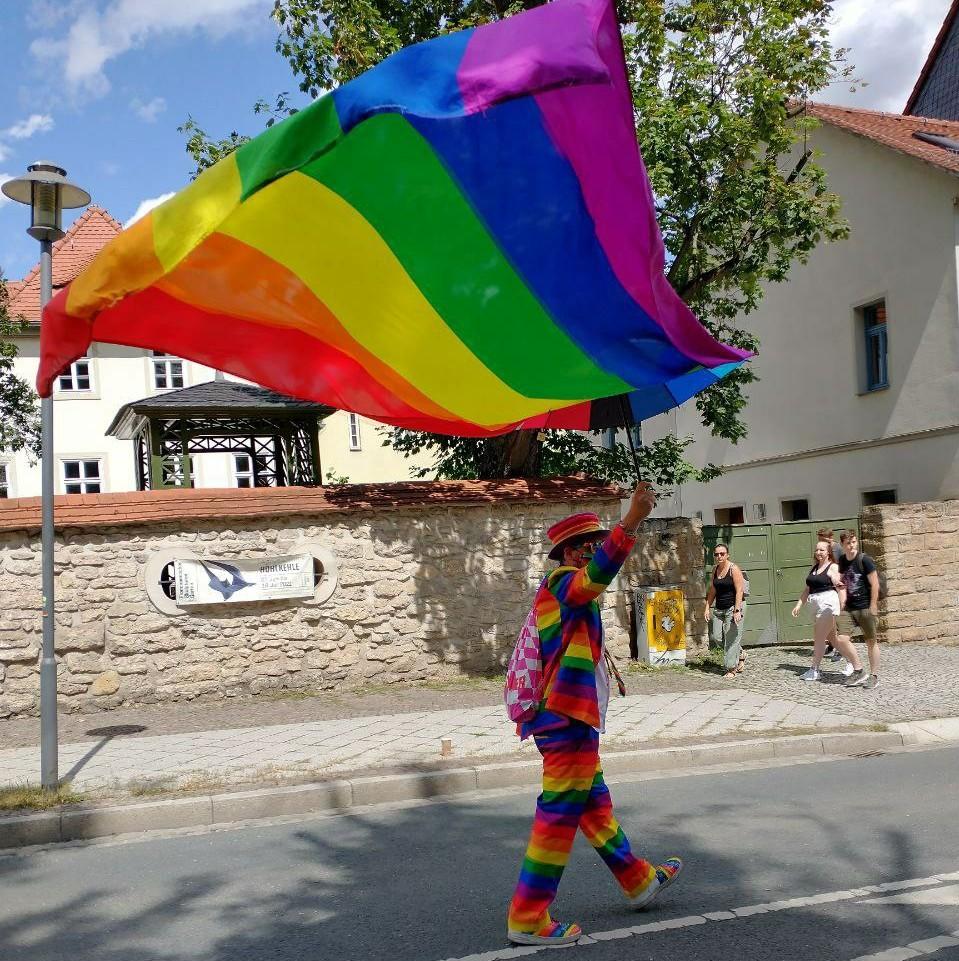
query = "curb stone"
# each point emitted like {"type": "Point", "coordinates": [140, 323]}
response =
{"type": "Point", "coordinates": [86, 822]}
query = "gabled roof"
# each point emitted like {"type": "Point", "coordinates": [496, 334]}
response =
{"type": "Point", "coordinates": [210, 399]}
{"type": "Point", "coordinates": [933, 56]}
{"type": "Point", "coordinates": [72, 253]}
{"type": "Point", "coordinates": [895, 131]}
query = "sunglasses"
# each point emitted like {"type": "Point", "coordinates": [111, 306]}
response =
{"type": "Point", "coordinates": [719, 553]}
{"type": "Point", "coordinates": [590, 545]}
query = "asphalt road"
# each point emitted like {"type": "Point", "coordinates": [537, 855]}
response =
{"type": "Point", "coordinates": [431, 881]}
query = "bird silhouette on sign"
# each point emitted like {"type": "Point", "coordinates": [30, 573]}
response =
{"type": "Point", "coordinates": [227, 585]}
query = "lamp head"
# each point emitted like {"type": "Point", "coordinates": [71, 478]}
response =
{"type": "Point", "coordinates": [47, 191]}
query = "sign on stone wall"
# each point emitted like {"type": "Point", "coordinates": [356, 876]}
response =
{"type": "Point", "coordinates": [242, 579]}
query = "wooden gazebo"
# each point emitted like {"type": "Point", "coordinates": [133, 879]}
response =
{"type": "Point", "coordinates": [277, 433]}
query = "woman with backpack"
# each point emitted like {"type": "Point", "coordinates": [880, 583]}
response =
{"type": "Point", "coordinates": [725, 610]}
{"type": "Point", "coordinates": [566, 719]}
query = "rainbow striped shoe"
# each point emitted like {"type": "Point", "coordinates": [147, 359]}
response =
{"type": "Point", "coordinates": [556, 934]}
{"type": "Point", "coordinates": [666, 873]}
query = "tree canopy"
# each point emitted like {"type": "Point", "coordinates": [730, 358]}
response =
{"type": "Point", "coordinates": [718, 87]}
{"type": "Point", "coordinates": [19, 411]}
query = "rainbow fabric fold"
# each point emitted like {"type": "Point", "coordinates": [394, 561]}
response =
{"type": "Point", "coordinates": [461, 240]}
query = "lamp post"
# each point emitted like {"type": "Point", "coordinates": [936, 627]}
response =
{"type": "Point", "coordinates": [48, 192]}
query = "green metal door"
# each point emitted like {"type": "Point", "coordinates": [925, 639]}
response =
{"type": "Point", "coordinates": [793, 544]}
{"type": "Point", "coordinates": [750, 546]}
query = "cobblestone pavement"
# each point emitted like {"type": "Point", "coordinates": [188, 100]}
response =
{"type": "Point", "coordinates": [916, 681]}
{"type": "Point", "coordinates": [252, 739]}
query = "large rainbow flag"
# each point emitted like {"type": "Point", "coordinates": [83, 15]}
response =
{"type": "Point", "coordinates": [461, 240]}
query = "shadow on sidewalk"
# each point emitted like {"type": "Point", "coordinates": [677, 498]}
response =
{"type": "Point", "coordinates": [107, 734]}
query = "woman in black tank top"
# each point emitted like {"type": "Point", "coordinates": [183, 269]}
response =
{"type": "Point", "coordinates": [724, 610]}
{"type": "Point", "coordinates": [825, 594]}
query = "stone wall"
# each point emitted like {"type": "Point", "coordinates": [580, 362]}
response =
{"type": "Point", "coordinates": [427, 586]}
{"type": "Point", "coordinates": [916, 546]}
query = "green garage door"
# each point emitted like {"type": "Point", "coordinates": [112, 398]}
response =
{"type": "Point", "coordinates": [793, 546]}
{"type": "Point", "coordinates": [750, 546]}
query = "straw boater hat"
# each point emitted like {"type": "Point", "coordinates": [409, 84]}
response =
{"type": "Point", "coordinates": [573, 530]}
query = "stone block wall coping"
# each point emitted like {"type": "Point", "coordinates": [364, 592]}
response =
{"type": "Point", "coordinates": [154, 507]}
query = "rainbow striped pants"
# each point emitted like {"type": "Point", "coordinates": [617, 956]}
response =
{"type": "Point", "coordinates": [574, 796]}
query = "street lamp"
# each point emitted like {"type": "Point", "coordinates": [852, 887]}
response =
{"type": "Point", "coordinates": [48, 192]}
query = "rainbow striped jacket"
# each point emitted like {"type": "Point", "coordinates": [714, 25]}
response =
{"type": "Point", "coordinates": [571, 636]}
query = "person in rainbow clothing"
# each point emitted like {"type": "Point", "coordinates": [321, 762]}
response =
{"type": "Point", "coordinates": [567, 726]}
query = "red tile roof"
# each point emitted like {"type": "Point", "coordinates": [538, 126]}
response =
{"type": "Point", "coordinates": [933, 56]}
{"type": "Point", "coordinates": [894, 130]}
{"type": "Point", "coordinates": [232, 504]}
{"type": "Point", "coordinates": [84, 239]}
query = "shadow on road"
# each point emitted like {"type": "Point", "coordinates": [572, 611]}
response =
{"type": "Point", "coordinates": [432, 881]}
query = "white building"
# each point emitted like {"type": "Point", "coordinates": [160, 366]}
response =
{"type": "Point", "coordinates": [88, 396]}
{"type": "Point", "coordinates": [858, 397]}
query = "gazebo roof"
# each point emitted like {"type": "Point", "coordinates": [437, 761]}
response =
{"type": "Point", "coordinates": [211, 399]}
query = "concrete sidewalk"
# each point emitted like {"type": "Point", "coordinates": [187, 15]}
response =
{"type": "Point", "coordinates": [243, 755]}
{"type": "Point", "coordinates": [767, 699]}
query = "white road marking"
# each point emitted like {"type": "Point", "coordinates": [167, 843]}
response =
{"type": "Point", "coordinates": [943, 896]}
{"type": "Point", "coordinates": [916, 949]}
{"type": "Point", "coordinates": [933, 890]}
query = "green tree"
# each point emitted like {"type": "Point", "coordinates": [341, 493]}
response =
{"type": "Point", "coordinates": [717, 89]}
{"type": "Point", "coordinates": [19, 411]}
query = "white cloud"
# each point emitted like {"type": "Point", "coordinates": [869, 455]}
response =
{"type": "Point", "coordinates": [146, 206]}
{"type": "Point", "coordinates": [888, 43]}
{"type": "Point", "coordinates": [96, 36]}
{"type": "Point", "coordinates": [4, 199]}
{"type": "Point", "coordinates": [148, 112]}
{"type": "Point", "coordinates": [35, 123]}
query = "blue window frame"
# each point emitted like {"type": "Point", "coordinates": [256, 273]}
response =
{"type": "Point", "coordinates": [877, 361]}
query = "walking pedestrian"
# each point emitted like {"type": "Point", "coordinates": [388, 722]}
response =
{"type": "Point", "coordinates": [567, 726]}
{"type": "Point", "coordinates": [827, 534]}
{"type": "Point", "coordinates": [861, 613]}
{"type": "Point", "coordinates": [725, 610]}
{"type": "Point", "coordinates": [825, 592]}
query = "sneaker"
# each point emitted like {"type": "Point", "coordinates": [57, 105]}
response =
{"type": "Point", "coordinates": [857, 678]}
{"type": "Point", "coordinates": [871, 682]}
{"type": "Point", "coordinates": [832, 654]}
{"type": "Point", "coordinates": [555, 934]}
{"type": "Point", "coordinates": [848, 670]}
{"type": "Point", "coordinates": [811, 675]}
{"type": "Point", "coordinates": [666, 873]}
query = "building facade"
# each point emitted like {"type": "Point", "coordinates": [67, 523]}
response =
{"type": "Point", "coordinates": [88, 396]}
{"type": "Point", "coordinates": [857, 401]}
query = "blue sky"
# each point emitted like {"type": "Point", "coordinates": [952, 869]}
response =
{"type": "Point", "coordinates": [100, 86]}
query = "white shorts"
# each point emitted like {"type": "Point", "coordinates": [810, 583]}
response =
{"type": "Point", "coordinates": [824, 604]}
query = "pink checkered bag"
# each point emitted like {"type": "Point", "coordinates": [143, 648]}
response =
{"type": "Point", "coordinates": [524, 675]}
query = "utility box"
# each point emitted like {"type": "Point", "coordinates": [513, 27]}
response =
{"type": "Point", "coordinates": [660, 624]}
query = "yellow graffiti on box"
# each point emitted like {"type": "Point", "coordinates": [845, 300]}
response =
{"type": "Point", "coordinates": [666, 621]}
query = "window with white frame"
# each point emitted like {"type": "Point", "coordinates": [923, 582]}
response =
{"type": "Point", "coordinates": [243, 470]}
{"type": "Point", "coordinates": [167, 371]}
{"type": "Point", "coordinates": [4, 480]}
{"type": "Point", "coordinates": [82, 476]}
{"type": "Point", "coordinates": [355, 442]}
{"type": "Point", "coordinates": [78, 377]}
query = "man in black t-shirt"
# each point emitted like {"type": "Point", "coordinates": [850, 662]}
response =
{"type": "Point", "coordinates": [861, 613]}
